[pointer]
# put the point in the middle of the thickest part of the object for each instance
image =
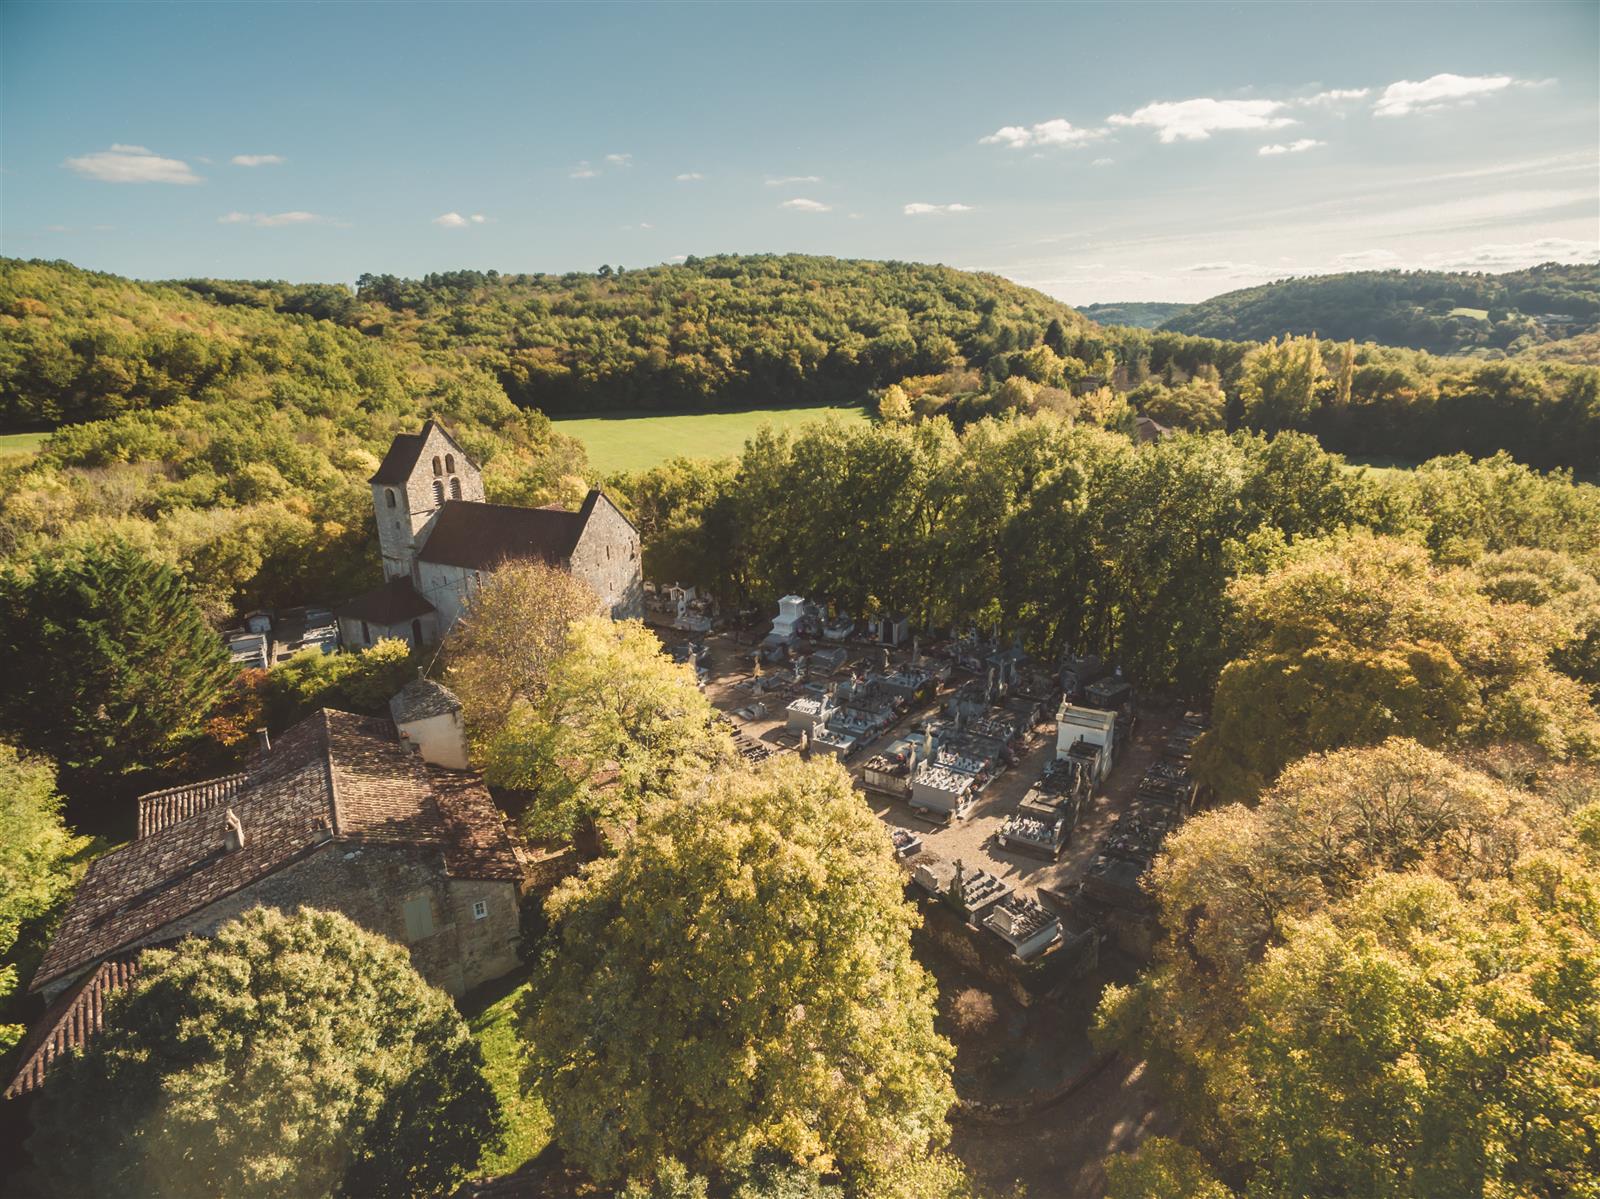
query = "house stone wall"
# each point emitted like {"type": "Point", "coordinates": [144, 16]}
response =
{"type": "Point", "coordinates": [371, 885]}
{"type": "Point", "coordinates": [607, 559]}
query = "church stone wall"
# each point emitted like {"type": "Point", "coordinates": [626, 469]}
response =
{"type": "Point", "coordinates": [607, 559]}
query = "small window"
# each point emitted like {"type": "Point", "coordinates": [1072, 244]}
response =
{"type": "Point", "coordinates": [449, 464]}
{"type": "Point", "coordinates": [455, 489]}
{"type": "Point", "coordinates": [416, 633]}
{"type": "Point", "coordinates": [366, 634]}
{"type": "Point", "coordinates": [480, 909]}
{"type": "Point", "coordinates": [438, 467]}
{"type": "Point", "coordinates": [438, 491]}
{"type": "Point", "coordinates": [419, 918]}
{"type": "Point", "coordinates": [388, 496]}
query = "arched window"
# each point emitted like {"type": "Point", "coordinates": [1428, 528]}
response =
{"type": "Point", "coordinates": [449, 464]}
{"type": "Point", "coordinates": [438, 467]}
{"type": "Point", "coordinates": [388, 496]}
{"type": "Point", "coordinates": [455, 489]}
{"type": "Point", "coordinates": [416, 633]}
{"type": "Point", "coordinates": [438, 491]}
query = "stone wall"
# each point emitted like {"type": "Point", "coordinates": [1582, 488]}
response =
{"type": "Point", "coordinates": [371, 884]}
{"type": "Point", "coordinates": [607, 559]}
{"type": "Point", "coordinates": [400, 528]}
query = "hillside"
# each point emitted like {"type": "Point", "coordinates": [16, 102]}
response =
{"type": "Point", "coordinates": [722, 332]}
{"type": "Point", "coordinates": [1135, 314]}
{"type": "Point", "coordinates": [1422, 310]}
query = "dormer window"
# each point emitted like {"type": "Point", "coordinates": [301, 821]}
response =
{"type": "Point", "coordinates": [438, 491]}
{"type": "Point", "coordinates": [449, 464]}
{"type": "Point", "coordinates": [455, 489]}
{"type": "Point", "coordinates": [438, 467]}
{"type": "Point", "coordinates": [388, 496]}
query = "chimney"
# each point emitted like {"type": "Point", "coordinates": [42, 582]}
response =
{"type": "Point", "coordinates": [264, 739]}
{"type": "Point", "coordinates": [234, 840]}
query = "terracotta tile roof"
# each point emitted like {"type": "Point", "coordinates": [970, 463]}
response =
{"type": "Point", "coordinates": [158, 809]}
{"type": "Point", "coordinates": [332, 776]}
{"type": "Point", "coordinates": [387, 604]}
{"type": "Point", "coordinates": [481, 536]}
{"type": "Point", "coordinates": [72, 1021]}
{"type": "Point", "coordinates": [478, 846]}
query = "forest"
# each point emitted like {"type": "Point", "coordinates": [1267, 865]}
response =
{"type": "Point", "coordinates": [1441, 312]}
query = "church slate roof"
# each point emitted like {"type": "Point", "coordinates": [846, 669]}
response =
{"type": "Point", "coordinates": [481, 536]}
{"type": "Point", "coordinates": [333, 776]}
{"type": "Point", "coordinates": [404, 450]}
{"type": "Point", "coordinates": [391, 603]}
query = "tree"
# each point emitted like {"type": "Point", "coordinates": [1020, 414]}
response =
{"type": "Point", "coordinates": [620, 727]}
{"type": "Point", "coordinates": [1379, 981]}
{"type": "Point", "coordinates": [1197, 404]}
{"type": "Point", "coordinates": [39, 863]}
{"type": "Point", "coordinates": [894, 408]}
{"type": "Point", "coordinates": [361, 682]}
{"type": "Point", "coordinates": [1360, 638]}
{"type": "Point", "coordinates": [112, 667]}
{"type": "Point", "coordinates": [1279, 384]}
{"type": "Point", "coordinates": [286, 1055]}
{"type": "Point", "coordinates": [1162, 1169]}
{"type": "Point", "coordinates": [793, 1019]}
{"type": "Point", "coordinates": [501, 650]}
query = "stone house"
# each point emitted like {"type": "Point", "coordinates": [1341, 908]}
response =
{"type": "Point", "coordinates": [438, 537]}
{"type": "Point", "coordinates": [341, 812]}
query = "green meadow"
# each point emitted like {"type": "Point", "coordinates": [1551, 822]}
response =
{"type": "Point", "coordinates": [20, 443]}
{"type": "Point", "coordinates": [620, 441]}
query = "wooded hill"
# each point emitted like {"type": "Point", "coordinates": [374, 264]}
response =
{"type": "Point", "coordinates": [1443, 313]}
{"type": "Point", "coordinates": [1135, 314]}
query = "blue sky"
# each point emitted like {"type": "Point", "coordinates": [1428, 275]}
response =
{"type": "Point", "coordinates": [1098, 152]}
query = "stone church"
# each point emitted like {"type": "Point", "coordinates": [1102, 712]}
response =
{"type": "Point", "coordinates": [439, 537]}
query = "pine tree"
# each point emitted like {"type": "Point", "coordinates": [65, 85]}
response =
{"type": "Point", "coordinates": [112, 665]}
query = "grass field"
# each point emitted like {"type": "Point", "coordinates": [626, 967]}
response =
{"type": "Point", "coordinates": [20, 443]}
{"type": "Point", "coordinates": [505, 1057]}
{"type": "Point", "coordinates": [637, 440]}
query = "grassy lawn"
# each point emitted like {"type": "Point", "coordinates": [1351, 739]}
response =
{"type": "Point", "coordinates": [527, 1123]}
{"type": "Point", "coordinates": [622, 441]}
{"type": "Point", "coordinates": [1481, 314]}
{"type": "Point", "coordinates": [20, 443]}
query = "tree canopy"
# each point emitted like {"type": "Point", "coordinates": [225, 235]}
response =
{"type": "Point", "coordinates": [284, 1055]}
{"type": "Point", "coordinates": [619, 728]}
{"type": "Point", "coordinates": [1360, 638]}
{"type": "Point", "coordinates": [111, 665]}
{"type": "Point", "coordinates": [793, 1017]}
{"type": "Point", "coordinates": [1381, 980]}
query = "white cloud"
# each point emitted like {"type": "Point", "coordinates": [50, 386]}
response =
{"type": "Point", "coordinates": [131, 164]}
{"type": "Point", "coordinates": [689, 177]}
{"type": "Point", "coordinates": [786, 180]}
{"type": "Point", "coordinates": [920, 209]}
{"type": "Point", "coordinates": [1297, 147]}
{"type": "Point", "coordinates": [257, 160]}
{"type": "Point", "coordinates": [803, 205]}
{"type": "Point", "coordinates": [1223, 268]}
{"type": "Point", "coordinates": [454, 220]}
{"type": "Point", "coordinates": [1507, 256]}
{"type": "Point", "coordinates": [582, 171]}
{"type": "Point", "coordinates": [1054, 132]}
{"type": "Point", "coordinates": [273, 220]}
{"type": "Point", "coordinates": [1102, 162]}
{"type": "Point", "coordinates": [1374, 259]}
{"type": "Point", "coordinates": [1338, 95]}
{"type": "Point", "coordinates": [1197, 120]}
{"type": "Point", "coordinates": [1436, 92]}
{"type": "Point", "coordinates": [620, 160]}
